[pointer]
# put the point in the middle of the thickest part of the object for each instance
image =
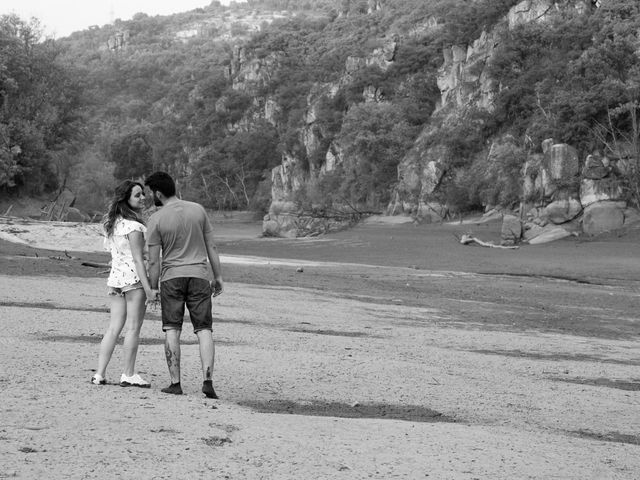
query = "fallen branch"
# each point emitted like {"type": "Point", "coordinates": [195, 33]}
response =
{"type": "Point", "coordinates": [467, 239]}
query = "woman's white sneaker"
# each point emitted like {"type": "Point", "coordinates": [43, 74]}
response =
{"type": "Point", "coordinates": [134, 380]}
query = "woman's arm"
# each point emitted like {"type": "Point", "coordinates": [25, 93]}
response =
{"type": "Point", "coordinates": [136, 241]}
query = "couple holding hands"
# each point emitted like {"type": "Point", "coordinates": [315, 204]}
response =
{"type": "Point", "coordinates": [181, 232]}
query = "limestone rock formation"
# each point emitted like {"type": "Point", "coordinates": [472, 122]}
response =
{"type": "Point", "coordinates": [118, 41]}
{"type": "Point", "coordinates": [603, 216]}
{"type": "Point", "coordinates": [463, 80]}
{"type": "Point", "coordinates": [250, 74]}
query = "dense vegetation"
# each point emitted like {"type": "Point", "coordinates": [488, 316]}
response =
{"type": "Point", "coordinates": [39, 109]}
{"type": "Point", "coordinates": [90, 109]}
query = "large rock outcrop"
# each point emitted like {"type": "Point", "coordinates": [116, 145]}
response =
{"type": "Point", "coordinates": [419, 176]}
{"type": "Point", "coordinates": [285, 217]}
{"type": "Point", "coordinates": [558, 187]}
{"type": "Point", "coordinates": [558, 192]}
{"type": "Point", "coordinates": [463, 80]}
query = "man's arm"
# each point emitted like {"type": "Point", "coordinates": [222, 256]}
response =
{"type": "Point", "coordinates": [154, 266]}
{"type": "Point", "coordinates": [214, 261]}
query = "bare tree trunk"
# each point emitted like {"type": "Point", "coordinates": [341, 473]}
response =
{"type": "Point", "coordinates": [243, 185]}
{"type": "Point", "coordinates": [206, 188]}
{"type": "Point", "coordinates": [225, 182]}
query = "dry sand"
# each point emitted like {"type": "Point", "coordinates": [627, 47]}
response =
{"type": "Point", "coordinates": [371, 363]}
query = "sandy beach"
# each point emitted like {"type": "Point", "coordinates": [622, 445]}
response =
{"type": "Point", "coordinates": [385, 351]}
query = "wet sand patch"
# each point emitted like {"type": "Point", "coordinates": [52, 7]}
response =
{"type": "Point", "coordinates": [410, 413]}
{"type": "Point", "coordinates": [52, 306]}
{"type": "Point", "coordinates": [614, 437]}
{"type": "Point", "coordinates": [331, 333]}
{"type": "Point", "coordinates": [556, 357]}
{"type": "Point", "coordinates": [632, 386]}
{"type": "Point", "coordinates": [233, 321]}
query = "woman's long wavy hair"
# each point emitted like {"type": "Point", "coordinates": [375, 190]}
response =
{"type": "Point", "coordinates": [119, 206]}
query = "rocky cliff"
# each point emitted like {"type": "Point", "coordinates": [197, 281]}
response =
{"type": "Point", "coordinates": [557, 187]}
{"type": "Point", "coordinates": [284, 217]}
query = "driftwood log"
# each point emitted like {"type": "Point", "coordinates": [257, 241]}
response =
{"type": "Point", "coordinates": [468, 239]}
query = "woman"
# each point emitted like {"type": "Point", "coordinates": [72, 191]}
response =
{"type": "Point", "coordinates": [128, 283]}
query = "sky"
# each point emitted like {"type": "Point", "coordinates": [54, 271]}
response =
{"type": "Point", "coordinates": [59, 18]}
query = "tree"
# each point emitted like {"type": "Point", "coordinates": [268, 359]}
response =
{"type": "Point", "coordinates": [132, 156]}
{"type": "Point", "coordinates": [374, 137]}
{"type": "Point", "coordinates": [39, 101]}
{"type": "Point", "coordinates": [230, 170]}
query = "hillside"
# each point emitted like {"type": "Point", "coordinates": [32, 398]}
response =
{"type": "Point", "coordinates": [318, 112]}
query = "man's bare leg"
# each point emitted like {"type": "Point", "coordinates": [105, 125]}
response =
{"type": "Point", "coordinates": [207, 357]}
{"type": "Point", "coordinates": [172, 353]}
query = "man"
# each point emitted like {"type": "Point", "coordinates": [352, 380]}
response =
{"type": "Point", "coordinates": [182, 231]}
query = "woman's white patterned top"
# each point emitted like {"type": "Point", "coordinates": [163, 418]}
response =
{"type": "Point", "coordinates": [123, 269]}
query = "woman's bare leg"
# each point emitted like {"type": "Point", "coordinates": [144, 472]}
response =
{"type": "Point", "coordinates": [135, 309]}
{"type": "Point", "coordinates": [110, 338]}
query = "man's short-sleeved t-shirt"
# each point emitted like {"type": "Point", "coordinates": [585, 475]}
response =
{"type": "Point", "coordinates": [179, 228]}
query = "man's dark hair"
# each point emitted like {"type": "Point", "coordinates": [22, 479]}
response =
{"type": "Point", "coordinates": [161, 182]}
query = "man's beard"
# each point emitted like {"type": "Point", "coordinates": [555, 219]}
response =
{"type": "Point", "coordinates": [156, 201]}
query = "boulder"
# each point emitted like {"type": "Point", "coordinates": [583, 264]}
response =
{"type": "Point", "coordinates": [531, 230]}
{"type": "Point", "coordinates": [546, 234]}
{"type": "Point", "coordinates": [511, 232]}
{"type": "Point", "coordinates": [562, 211]}
{"type": "Point", "coordinates": [563, 163]}
{"type": "Point", "coordinates": [431, 212]}
{"type": "Point", "coordinates": [546, 185]}
{"type": "Point", "coordinates": [532, 171]}
{"type": "Point", "coordinates": [603, 217]}
{"type": "Point", "coordinates": [594, 168]}
{"type": "Point", "coordinates": [598, 190]}
{"type": "Point", "coordinates": [547, 144]}
{"type": "Point", "coordinates": [631, 217]}
{"type": "Point", "coordinates": [279, 226]}
{"type": "Point", "coordinates": [270, 228]}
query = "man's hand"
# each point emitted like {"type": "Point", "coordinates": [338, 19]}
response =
{"type": "Point", "coordinates": [153, 298]}
{"type": "Point", "coordinates": [216, 287]}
